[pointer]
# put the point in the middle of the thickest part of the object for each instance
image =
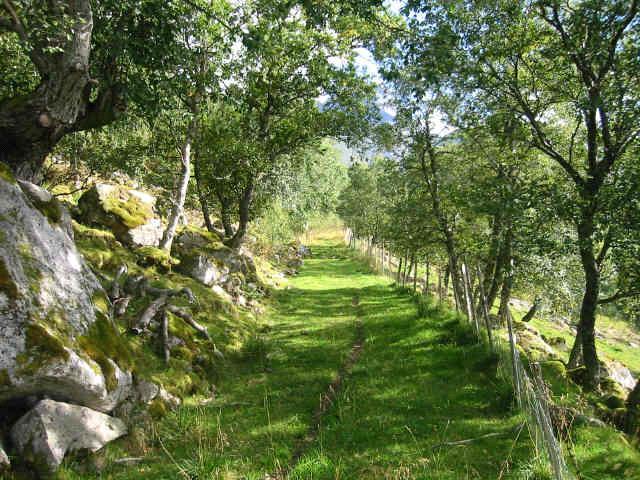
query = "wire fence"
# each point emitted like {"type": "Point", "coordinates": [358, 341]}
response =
{"type": "Point", "coordinates": [531, 392]}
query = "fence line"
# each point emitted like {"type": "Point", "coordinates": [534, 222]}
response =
{"type": "Point", "coordinates": [531, 393]}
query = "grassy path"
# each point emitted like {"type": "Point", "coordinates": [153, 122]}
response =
{"type": "Point", "coordinates": [411, 389]}
{"type": "Point", "coordinates": [408, 385]}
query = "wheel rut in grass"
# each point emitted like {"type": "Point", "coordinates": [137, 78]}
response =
{"type": "Point", "coordinates": [328, 397]}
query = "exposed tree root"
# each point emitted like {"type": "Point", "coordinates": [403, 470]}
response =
{"type": "Point", "coordinates": [124, 288]}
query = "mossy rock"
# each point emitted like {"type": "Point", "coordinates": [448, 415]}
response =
{"type": "Point", "coordinates": [117, 201]}
{"type": "Point", "coordinates": [128, 213]}
{"type": "Point", "coordinates": [610, 387]}
{"type": "Point", "coordinates": [7, 285]}
{"type": "Point", "coordinates": [41, 348]}
{"type": "Point", "coordinates": [614, 401]}
{"type": "Point", "coordinates": [6, 173]}
{"type": "Point", "coordinates": [151, 256]}
{"type": "Point", "coordinates": [5, 379]}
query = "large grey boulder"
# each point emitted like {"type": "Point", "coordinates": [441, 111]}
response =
{"type": "Point", "coordinates": [50, 301]}
{"type": "Point", "coordinates": [43, 436]}
{"type": "Point", "coordinates": [203, 268]}
{"type": "Point", "coordinates": [129, 213]}
{"type": "Point", "coordinates": [196, 250]}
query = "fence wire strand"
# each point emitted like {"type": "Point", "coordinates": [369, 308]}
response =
{"type": "Point", "coordinates": [531, 393]}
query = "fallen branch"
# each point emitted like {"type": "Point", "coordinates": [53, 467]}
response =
{"type": "Point", "coordinates": [180, 313]}
{"type": "Point", "coordinates": [475, 439]}
{"type": "Point", "coordinates": [149, 313]}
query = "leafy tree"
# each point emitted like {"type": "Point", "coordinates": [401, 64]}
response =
{"type": "Point", "coordinates": [268, 114]}
{"type": "Point", "coordinates": [78, 62]}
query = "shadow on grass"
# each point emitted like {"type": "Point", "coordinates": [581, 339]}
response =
{"type": "Point", "coordinates": [408, 392]}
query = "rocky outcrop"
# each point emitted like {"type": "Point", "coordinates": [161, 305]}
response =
{"type": "Point", "coordinates": [48, 205]}
{"type": "Point", "coordinates": [50, 304]}
{"type": "Point", "coordinates": [203, 257]}
{"type": "Point", "coordinates": [44, 435]}
{"type": "Point", "coordinates": [129, 213]}
{"type": "Point", "coordinates": [203, 268]}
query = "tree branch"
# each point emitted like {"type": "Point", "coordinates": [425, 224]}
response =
{"type": "Point", "coordinates": [618, 296]}
{"type": "Point", "coordinates": [626, 21]}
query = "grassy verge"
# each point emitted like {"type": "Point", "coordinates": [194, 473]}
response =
{"type": "Point", "coordinates": [419, 384]}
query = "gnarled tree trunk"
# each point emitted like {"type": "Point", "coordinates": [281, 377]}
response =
{"type": "Point", "coordinates": [32, 125]}
{"type": "Point", "coordinates": [244, 212]}
{"type": "Point", "coordinates": [590, 298]}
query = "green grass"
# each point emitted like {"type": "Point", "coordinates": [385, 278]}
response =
{"type": "Point", "coordinates": [419, 382]}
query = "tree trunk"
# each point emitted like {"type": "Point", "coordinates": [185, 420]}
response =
{"type": "Point", "coordinates": [225, 216]}
{"type": "Point", "coordinates": [505, 296]}
{"type": "Point", "coordinates": [632, 422]}
{"type": "Point", "coordinates": [575, 357]}
{"type": "Point", "coordinates": [244, 212]}
{"type": "Point", "coordinates": [589, 300]}
{"type": "Point", "coordinates": [204, 203]}
{"type": "Point", "coordinates": [65, 100]}
{"type": "Point", "coordinates": [399, 270]}
{"type": "Point", "coordinates": [426, 278]}
{"type": "Point", "coordinates": [181, 195]}
{"type": "Point", "coordinates": [415, 273]}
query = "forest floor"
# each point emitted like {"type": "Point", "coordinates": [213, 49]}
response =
{"type": "Point", "coordinates": [345, 381]}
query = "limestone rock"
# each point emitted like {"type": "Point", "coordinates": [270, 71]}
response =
{"type": "Point", "coordinates": [202, 268]}
{"type": "Point", "coordinates": [48, 298]}
{"type": "Point", "coordinates": [203, 257]}
{"type": "Point", "coordinates": [171, 401]}
{"type": "Point", "coordinates": [620, 374]}
{"type": "Point", "coordinates": [146, 391]}
{"type": "Point", "coordinates": [44, 435]}
{"type": "Point", "coordinates": [128, 213]}
{"type": "Point", "coordinates": [48, 205]}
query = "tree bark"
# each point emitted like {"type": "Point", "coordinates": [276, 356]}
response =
{"type": "Point", "coordinates": [426, 278]}
{"type": "Point", "coordinates": [225, 216]}
{"type": "Point", "coordinates": [244, 212]}
{"type": "Point", "coordinates": [181, 195]}
{"type": "Point", "coordinates": [415, 273]}
{"type": "Point", "coordinates": [64, 101]}
{"type": "Point", "coordinates": [590, 297]}
{"type": "Point", "coordinates": [204, 203]}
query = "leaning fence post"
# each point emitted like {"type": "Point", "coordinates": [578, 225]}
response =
{"type": "Point", "coordinates": [514, 359]}
{"type": "Point", "coordinates": [485, 309]}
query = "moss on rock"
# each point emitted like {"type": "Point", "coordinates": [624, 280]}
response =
{"type": "Point", "coordinates": [5, 379]}
{"type": "Point", "coordinates": [120, 205]}
{"type": "Point", "coordinates": [100, 302]}
{"type": "Point", "coordinates": [41, 348]}
{"type": "Point", "coordinates": [53, 209]}
{"type": "Point", "coordinates": [6, 173]}
{"type": "Point", "coordinates": [103, 343]}
{"type": "Point", "coordinates": [7, 285]}
{"type": "Point", "coordinates": [152, 256]}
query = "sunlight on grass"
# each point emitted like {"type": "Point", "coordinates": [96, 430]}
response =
{"type": "Point", "coordinates": [418, 385]}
